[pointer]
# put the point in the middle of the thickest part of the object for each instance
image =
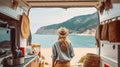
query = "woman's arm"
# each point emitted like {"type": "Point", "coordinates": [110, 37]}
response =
{"type": "Point", "coordinates": [54, 55]}
{"type": "Point", "coordinates": [71, 51]}
{"type": "Point", "coordinates": [53, 63]}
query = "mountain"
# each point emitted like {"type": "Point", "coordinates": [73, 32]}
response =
{"type": "Point", "coordinates": [78, 24]}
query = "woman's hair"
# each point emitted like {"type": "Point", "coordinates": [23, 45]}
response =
{"type": "Point", "coordinates": [63, 44]}
{"type": "Point", "coordinates": [62, 38]}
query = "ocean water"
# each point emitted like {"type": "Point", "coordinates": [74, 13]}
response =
{"type": "Point", "coordinates": [78, 41]}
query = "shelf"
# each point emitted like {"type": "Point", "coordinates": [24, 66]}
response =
{"type": "Point", "coordinates": [110, 43]}
{"type": "Point", "coordinates": [9, 12]}
{"type": "Point", "coordinates": [26, 62]}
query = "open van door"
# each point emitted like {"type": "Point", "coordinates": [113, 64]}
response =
{"type": "Point", "coordinates": [110, 46]}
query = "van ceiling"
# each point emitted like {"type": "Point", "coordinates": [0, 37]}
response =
{"type": "Point", "coordinates": [61, 3]}
{"type": "Point", "coordinates": [65, 3]}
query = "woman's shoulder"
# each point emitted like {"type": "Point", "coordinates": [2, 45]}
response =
{"type": "Point", "coordinates": [55, 43]}
{"type": "Point", "coordinates": [69, 43]}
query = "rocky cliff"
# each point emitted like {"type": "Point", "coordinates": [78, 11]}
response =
{"type": "Point", "coordinates": [78, 24]}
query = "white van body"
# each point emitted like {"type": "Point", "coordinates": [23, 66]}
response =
{"type": "Point", "coordinates": [110, 52]}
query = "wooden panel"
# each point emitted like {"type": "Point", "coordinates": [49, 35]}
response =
{"type": "Point", "coordinates": [56, 3]}
{"type": "Point", "coordinates": [62, 4]}
{"type": "Point", "coordinates": [64, 0]}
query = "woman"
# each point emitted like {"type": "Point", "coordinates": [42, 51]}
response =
{"type": "Point", "coordinates": [62, 50]}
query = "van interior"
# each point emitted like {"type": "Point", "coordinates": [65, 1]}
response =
{"type": "Point", "coordinates": [17, 49]}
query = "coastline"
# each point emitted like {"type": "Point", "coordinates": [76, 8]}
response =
{"type": "Point", "coordinates": [82, 34]}
{"type": "Point", "coordinates": [79, 52]}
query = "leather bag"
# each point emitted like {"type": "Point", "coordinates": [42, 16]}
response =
{"type": "Point", "coordinates": [104, 35]}
{"type": "Point", "coordinates": [114, 31]}
{"type": "Point", "coordinates": [99, 31]}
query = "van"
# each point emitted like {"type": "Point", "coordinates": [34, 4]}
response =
{"type": "Point", "coordinates": [14, 12]}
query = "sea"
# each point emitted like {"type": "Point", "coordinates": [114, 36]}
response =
{"type": "Point", "coordinates": [78, 41]}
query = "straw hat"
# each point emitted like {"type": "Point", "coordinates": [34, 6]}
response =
{"type": "Point", "coordinates": [62, 32]}
{"type": "Point", "coordinates": [25, 26]}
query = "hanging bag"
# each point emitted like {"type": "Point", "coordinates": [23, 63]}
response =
{"type": "Point", "coordinates": [99, 31]}
{"type": "Point", "coordinates": [25, 26]}
{"type": "Point", "coordinates": [104, 35]}
{"type": "Point", "coordinates": [114, 31]}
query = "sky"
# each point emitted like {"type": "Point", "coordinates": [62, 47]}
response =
{"type": "Point", "coordinates": [46, 16]}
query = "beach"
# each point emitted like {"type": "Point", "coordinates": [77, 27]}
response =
{"type": "Point", "coordinates": [79, 52]}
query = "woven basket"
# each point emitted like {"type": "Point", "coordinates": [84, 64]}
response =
{"type": "Point", "coordinates": [92, 60]}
